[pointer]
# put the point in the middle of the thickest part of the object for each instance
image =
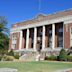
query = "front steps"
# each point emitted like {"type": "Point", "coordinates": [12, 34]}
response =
{"type": "Point", "coordinates": [36, 56]}
{"type": "Point", "coordinates": [28, 56]}
{"type": "Point", "coordinates": [32, 56]}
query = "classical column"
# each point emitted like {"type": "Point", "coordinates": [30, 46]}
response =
{"type": "Point", "coordinates": [27, 38]}
{"type": "Point", "coordinates": [35, 38]}
{"type": "Point", "coordinates": [53, 36]}
{"type": "Point", "coordinates": [43, 38]}
{"type": "Point", "coordinates": [20, 44]}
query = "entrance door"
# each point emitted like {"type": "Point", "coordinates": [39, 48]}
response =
{"type": "Point", "coordinates": [39, 38]}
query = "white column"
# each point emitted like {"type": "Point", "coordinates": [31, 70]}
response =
{"type": "Point", "coordinates": [27, 38]}
{"type": "Point", "coordinates": [53, 36]}
{"type": "Point", "coordinates": [43, 38]}
{"type": "Point", "coordinates": [20, 44]}
{"type": "Point", "coordinates": [35, 38]}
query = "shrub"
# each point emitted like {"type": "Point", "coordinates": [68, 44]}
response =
{"type": "Point", "coordinates": [52, 58]}
{"type": "Point", "coordinates": [3, 51]}
{"type": "Point", "coordinates": [46, 58]}
{"type": "Point", "coordinates": [63, 55]}
{"type": "Point", "coordinates": [69, 51]}
{"type": "Point", "coordinates": [69, 58]}
{"type": "Point", "coordinates": [8, 58]}
{"type": "Point", "coordinates": [4, 58]}
{"type": "Point", "coordinates": [16, 56]}
{"type": "Point", "coordinates": [11, 52]}
{"type": "Point", "coordinates": [0, 57]}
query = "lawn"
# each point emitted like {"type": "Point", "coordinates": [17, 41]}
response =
{"type": "Point", "coordinates": [36, 66]}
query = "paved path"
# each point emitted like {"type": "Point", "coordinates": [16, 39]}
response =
{"type": "Point", "coordinates": [66, 70]}
{"type": "Point", "coordinates": [8, 70]}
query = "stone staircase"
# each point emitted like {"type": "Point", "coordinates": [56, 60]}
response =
{"type": "Point", "coordinates": [32, 56]}
{"type": "Point", "coordinates": [28, 57]}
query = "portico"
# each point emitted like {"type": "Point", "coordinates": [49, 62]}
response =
{"type": "Point", "coordinates": [43, 37]}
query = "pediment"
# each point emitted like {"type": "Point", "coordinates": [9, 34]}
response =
{"type": "Point", "coordinates": [40, 16]}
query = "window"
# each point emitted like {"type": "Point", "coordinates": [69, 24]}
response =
{"type": "Point", "coordinates": [32, 40]}
{"type": "Point", "coordinates": [50, 32]}
{"type": "Point", "coordinates": [61, 29]}
{"type": "Point", "coordinates": [60, 37]}
{"type": "Point", "coordinates": [60, 42]}
{"type": "Point", "coordinates": [14, 41]}
{"type": "Point", "coordinates": [50, 38]}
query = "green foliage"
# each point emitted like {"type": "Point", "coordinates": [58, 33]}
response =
{"type": "Point", "coordinates": [10, 58]}
{"type": "Point", "coordinates": [3, 23]}
{"type": "Point", "coordinates": [46, 58]}
{"type": "Point", "coordinates": [63, 55]}
{"type": "Point", "coordinates": [69, 58]}
{"type": "Point", "coordinates": [1, 57]}
{"type": "Point", "coordinates": [7, 58]}
{"type": "Point", "coordinates": [4, 39]}
{"type": "Point", "coordinates": [3, 51]}
{"type": "Point", "coordinates": [52, 58]}
{"type": "Point", "coordinates": [11, 52]}
{"type": "Point", "coordinates": [16, 56]}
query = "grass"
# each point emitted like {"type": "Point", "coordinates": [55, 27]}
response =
{"type": "Point", "coordinates": [45, 66]}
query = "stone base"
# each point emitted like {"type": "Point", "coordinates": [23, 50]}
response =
{"type": "Point", "coordinates": [32, 55]}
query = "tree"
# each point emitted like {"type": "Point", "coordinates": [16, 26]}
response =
{"type": "Point", "coordinates": [4, 39]}
{"type": "Point", "coordinates": [3, 24]}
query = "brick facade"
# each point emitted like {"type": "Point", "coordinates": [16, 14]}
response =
{"type": "Point", "coordinates": [17, 43]}
{"type": "Point", "coordinates": [51, 23]}
{"type": "Point", "coordinates": [67, 35]}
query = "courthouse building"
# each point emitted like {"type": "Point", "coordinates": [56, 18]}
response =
{"type": "Point", "coordinates": [44, 32]}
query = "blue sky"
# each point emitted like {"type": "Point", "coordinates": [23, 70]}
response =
{"type": "Point", "coordinates": [21, 10]}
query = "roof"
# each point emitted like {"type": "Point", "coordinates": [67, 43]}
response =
{"type": "Point", "coordinates": [42, 17]}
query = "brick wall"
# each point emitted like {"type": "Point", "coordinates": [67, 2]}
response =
{"type": "Point", "coordinates": [67, 35]}
{"type": "Point", "coordinates": [18, 38]}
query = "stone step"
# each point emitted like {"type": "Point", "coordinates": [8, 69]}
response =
{"type": "Point", "coordinates": [32, 56]}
